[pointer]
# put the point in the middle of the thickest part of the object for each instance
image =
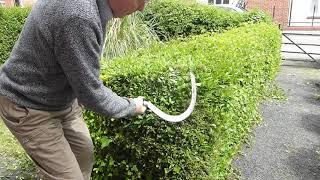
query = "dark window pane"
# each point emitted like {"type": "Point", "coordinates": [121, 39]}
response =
{"type": "Point", "coordinates": [225, 1]}
{"type": "Point", "coordinates": [218, 1]}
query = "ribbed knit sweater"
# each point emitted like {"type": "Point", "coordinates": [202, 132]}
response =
{"type": "Point", "coordinates": [56, 59]}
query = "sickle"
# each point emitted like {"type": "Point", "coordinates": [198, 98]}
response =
{"type": "Point", "coordinates": [176, 118]}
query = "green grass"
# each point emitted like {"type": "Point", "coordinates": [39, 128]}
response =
{"type": "Point", "coordinates": [8, 144]}
{"type": "Point", "coordinates": [14, 159]}
{"type": "Point", "coordinates": [276, 93]}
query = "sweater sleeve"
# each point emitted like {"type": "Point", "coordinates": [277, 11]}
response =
{"type": "Point", "coordinates": [78, 52]}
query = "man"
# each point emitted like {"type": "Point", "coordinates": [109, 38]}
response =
{"type": "Point", "coordinates": [54, 64]}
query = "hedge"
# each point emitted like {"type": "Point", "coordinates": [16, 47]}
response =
{"type": "Point", "coordinates": [172, 18]}
{"type": "Point", "coordinates": [11, 23]}
{"type": "Point", "coordinates": [232, 70]}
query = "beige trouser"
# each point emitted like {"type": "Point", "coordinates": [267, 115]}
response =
{"type": "Point", "coordinates": [58, 141]}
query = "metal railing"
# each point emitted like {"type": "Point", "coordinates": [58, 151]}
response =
{"type": "Point", "coordinates": [299, 45]}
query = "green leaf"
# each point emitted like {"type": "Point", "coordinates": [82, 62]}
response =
{"type": "Point", "coordinates": [105, 141]}
{"type": "Point", "coordinates": [176, 169]}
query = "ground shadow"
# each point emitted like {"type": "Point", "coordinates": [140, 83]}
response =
{"type": "Point", "coordinates": [297, 60]}
{"type": "Point", "coordinates": [314, 98]}
{"type": "Point", "coordinates": [305, 163]}
{"type": "Point", "coordinates": [311, 122]}
{"type": "Point", "coordinates": [311, 65]}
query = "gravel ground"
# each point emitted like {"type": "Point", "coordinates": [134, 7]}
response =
{"type": "Point", "coordinates": [286, 145]}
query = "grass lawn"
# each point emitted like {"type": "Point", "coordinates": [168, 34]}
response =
{"type": "Point", "coordinates": [13, 162]}
{"type": "Point", "coordinates": [8, 144]}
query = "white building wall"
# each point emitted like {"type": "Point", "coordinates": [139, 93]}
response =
{"type": "Point", "coordinates": [206, 1]}
{"type": "Point", "coordinates": [202, 1]}
{"type": "Point", "coordinates": [27, 2]}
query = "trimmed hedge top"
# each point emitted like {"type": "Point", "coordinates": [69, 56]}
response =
{"type": "Point", "coordinates": [171, 18]}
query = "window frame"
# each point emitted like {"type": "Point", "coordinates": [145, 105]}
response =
{"type": "Point", "coordinates": [215, 2]}
{"type": "Point", "coordinates": [315, 10]}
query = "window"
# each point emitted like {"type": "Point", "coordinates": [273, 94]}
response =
{"type": "Point", "coordinates": [218, 1]}
{"type": "Point", "coordinates": [241, 4]}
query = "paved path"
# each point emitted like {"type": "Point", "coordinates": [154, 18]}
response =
{"type": "Point", "coordinates": [286, 145]}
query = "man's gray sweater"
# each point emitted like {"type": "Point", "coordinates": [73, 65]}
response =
{"type": "Point", "coordinates": [56, 59]}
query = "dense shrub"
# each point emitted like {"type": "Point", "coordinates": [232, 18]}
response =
{"type": "Point", "coordinates": [11, 23]}
{"type": "Point", "coordinates": [232, 70]}
{"type": "Point", "coordinates": [172, 18]}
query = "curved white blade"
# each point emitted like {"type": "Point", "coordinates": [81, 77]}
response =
{"type": "Point", "coordinates": [183, 116]}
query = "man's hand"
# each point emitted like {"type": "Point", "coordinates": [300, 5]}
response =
{"type": "Point", "coordinates": [140, 108]}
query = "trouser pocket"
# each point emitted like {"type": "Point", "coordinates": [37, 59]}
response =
{"type": "Point", "coordinates": [13, 114]}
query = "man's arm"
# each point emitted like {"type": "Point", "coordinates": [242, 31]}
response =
{"type": "Point", "coordinates": [78, 53]}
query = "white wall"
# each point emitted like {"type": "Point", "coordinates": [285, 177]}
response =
{"type": "Point", "coordinates": [206, 1]}
{"type": "Point", "coordinates": [202, 1]}
{"type": "Point", "coordinates": [301, 10]}
{"type": "Point", "coordinates": [27, 2]}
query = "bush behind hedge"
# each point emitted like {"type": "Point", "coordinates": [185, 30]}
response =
{"type": "Point", "coordinates": [168, 18]}
{"type": "Point", "coordinates": [232, 70]}
{"type": "Point", "coordinates": [172, 18]}
{"type": "Point", "coordinates": [11, 23]}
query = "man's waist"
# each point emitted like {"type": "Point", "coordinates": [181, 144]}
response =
{"type": "Point", "coordinates": [52, 104]}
